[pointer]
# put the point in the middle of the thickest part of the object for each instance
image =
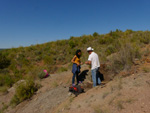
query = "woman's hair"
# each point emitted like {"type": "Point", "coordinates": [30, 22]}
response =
{"type": "Point", "coordinates": [78, 51]}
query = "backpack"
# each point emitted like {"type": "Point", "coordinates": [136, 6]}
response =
{"type": "Point", "coordinates": [77, 89]}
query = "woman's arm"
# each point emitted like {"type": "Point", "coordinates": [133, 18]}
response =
{"type": "Point", "coordinates": [73, 59]}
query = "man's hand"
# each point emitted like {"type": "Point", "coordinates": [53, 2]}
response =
{"type": "Point", "coordinates": [88, 62]}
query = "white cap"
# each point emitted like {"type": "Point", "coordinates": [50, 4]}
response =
{"type": "Point", "coordinates": [90, 49]}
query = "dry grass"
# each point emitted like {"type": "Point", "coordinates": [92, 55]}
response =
{"type": "Point", "coordinates": [120, 105]}
{"type": "Point", "coordinates": [79, 106]}
{"type": "Point", "coordinates": [111, 100]}
{"type": "Point", "coordinates": [3, 89]}
{"type": "Point", "coordinates": [130, 100]}
{"type": "Point", "coordinates": [3, 108]}
{"type": "Point", "coordinates": [55, 84]}
{"type": "Point", "coordinates": [105, 95]}
{"type": "Point", "coordinates": [65, 106]}
{"type": "Point", "coordinates": [98, 109]}
{"type": "Point", "coordinates": [146, 69]}
{"type": "Point", "coordinates": [71, 99]}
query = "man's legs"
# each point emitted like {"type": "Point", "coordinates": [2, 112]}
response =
{"type": "Point", "coordinates": [98, 76]}
{"type": "Point", "coordinates": [94, 77]}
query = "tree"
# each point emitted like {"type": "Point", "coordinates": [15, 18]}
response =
{"type": "Point", "coordinates": [4, 62]}
{"type": "Point", "coordinates": [95, 34]}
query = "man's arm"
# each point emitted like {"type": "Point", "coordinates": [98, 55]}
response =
{"type": "Point", "coordinates": [88, 62]}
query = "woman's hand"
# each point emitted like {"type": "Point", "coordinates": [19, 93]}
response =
{"type": "Point", "coordinates": [78, 64]}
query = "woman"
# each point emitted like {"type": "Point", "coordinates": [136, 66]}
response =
{"type": "Point", "coordinates": [76, 66]}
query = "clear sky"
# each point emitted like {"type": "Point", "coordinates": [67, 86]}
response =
{"type": "Point", "coordinates": [26, 22]}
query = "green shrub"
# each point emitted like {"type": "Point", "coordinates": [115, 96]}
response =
{"type": "Point", "coordinates": [41, 74]}
{"type": "Point", "coordinates": [4, 71]}
{"type": "Point", "coordinates": [48, 59]}
{"type": "Point", "coordinates": [72, 44]}
{"type": "Point", "coordinates": [4, 62]}
{"type": "Point", "coordinates": [109, 50]}
{"type": "Point", "coordinates": [95, 34]}
{"type": "Point", "coordinates": [124, 58]}
{"type": "Point", "coordinates": [115, 34]}
{"type": "Point", "coordinates": [145, 40]}
{"type": "Point", "coordinates": [38, 58]}
{"type": "Point", "coordinates": [3, 89]}
{"type": "Point", "coordinates": [106, 40]}
{"type": "Point", "coordinates": [3, 108]}
{"type": "Point", "coordinates": [52, 69]}
{"type": "Point", "coordinates": [84, 40]}
{"type": "Point", "coordinates": [6, 80]}
{"type": "Point", "coordinates": [24, 90]}
{"type": "Point", "coordinates": [62, 69]}
{"type": "Point", "coordinates": [128, 31]}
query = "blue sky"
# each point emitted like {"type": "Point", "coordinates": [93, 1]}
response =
{"type": "Point", "coordinates": [26, 22]}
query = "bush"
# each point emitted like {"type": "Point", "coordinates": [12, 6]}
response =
{"type": "Point", "coordinates": [128, 31]}
{"type": "Point", "coordinates": [38, 58]}
{"type": "Point", "coordinates": [95, 34]}
{"type": "Point", "coordinates": [41, 74]}
{"type": "Point", "coordinates": [24, 91]}
{"type": "Point", "coordinates": [124, 58]}
{"type": "Point", "coordinates": [4, 62]}
{"type": "Point", "coordinates": [106, 40]}
{"type": "Point", "coordinates": [145, 40]}
{"type": "Point", "coordinates": [109, 50]}
{"type": "Point", "coordinates": [48, 59]}
{"type": "Point", "coordinates": [84, 40]}
{"type": "Point", "coordinates": [6, 80]}
{"type": "Point", "coordinates": [3, 89]}
{"type": "Point", "coordinates": [72, 44]}
{"type": "Point", "coordinates": [2, 110]}
{"type": "Point", "coordinates": [115, 34]}
{"type": "Point", "coordinates": [62, 69]}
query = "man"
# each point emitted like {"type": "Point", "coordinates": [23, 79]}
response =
{"type": "Point", "coordinates": [93, 60]}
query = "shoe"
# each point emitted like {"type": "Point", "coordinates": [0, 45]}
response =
{"type": "Point", "coordinates": [73, 84]}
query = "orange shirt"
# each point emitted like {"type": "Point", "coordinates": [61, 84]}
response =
{"type": "Point", "coordinates": [77, 60]}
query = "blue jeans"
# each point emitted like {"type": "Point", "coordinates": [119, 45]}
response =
{"type": "Point", "coordinates": [95, 77]}
{"type": "Point", "coordinates": [73, 78]}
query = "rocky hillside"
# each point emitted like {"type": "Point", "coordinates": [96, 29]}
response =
{"type": "Point", "coordinates": [127, 92]}
{"type": "Point", "coordinates": [125, 63]}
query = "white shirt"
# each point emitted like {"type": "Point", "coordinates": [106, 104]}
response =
{"type": "Point", "coordinates": [93, 57]}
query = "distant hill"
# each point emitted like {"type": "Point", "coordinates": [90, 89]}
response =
{"type": "Point", "coordinates": [2, 49]}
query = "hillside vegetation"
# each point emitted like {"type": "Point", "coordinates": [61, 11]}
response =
{"type": "Point", "coordinates": [17, 63]}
